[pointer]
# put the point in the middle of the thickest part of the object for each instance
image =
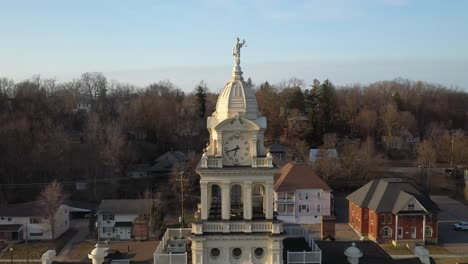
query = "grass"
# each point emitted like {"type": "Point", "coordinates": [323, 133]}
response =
{"type": "Point", "coordinates": [450, 260]}
{"type": "Point", "coordinates": [435, 250]}
{"type": "Point", "coordinates": [398, 250]}
{"type": "Point", "coordinates": [35, 249]}
{"type": "Point", "coordinates": [81, 250]}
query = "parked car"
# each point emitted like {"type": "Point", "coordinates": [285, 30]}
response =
{"type": "Point", "coordinates": [460, 226]}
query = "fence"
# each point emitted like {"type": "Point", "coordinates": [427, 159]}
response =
{"type": "Point", "coordinates": [312, 256]}
{"type": "Point", "coordinates": [161, 256]}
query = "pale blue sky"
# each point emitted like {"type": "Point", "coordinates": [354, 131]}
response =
{"type": "Point", "coordinates": [347, 41]}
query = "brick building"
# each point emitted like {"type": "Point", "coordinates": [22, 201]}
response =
{"type": "Point", "coordinates": [393, 210]}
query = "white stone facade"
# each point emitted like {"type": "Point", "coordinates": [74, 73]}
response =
{"type": "Point", "coordinates": [236, 177]}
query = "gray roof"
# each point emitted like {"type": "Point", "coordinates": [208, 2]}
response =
{"type": "Point", "coordinates": [168, 161]}
{"type": "Point", "coordinates": [390, 195]}
{"type": "Point", "coordinates": [22, 210]}
{"type": "Point", "coordinates": [277, 148]}
{"type": "Point", "coordinates": [133, 206]}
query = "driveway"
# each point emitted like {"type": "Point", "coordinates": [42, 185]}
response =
{"type": "Point", "coordinates": [82, 226]}
{"type": "Point", "coordinates": [341, 207]}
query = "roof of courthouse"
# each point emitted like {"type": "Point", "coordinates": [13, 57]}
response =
{"type": "Point", "coordinates": [293, 176]}
{"type": "Point", "coordinates": [28, 209]}
{"type": "Point", "coordinates": [130, 206]}
{"type": "Point", "coordinates": [389, 195]}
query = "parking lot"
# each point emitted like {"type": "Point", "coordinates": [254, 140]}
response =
{"type": "Point", "coordinates": [451, 212]}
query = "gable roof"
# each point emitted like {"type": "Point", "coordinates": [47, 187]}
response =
{"type": "Point", "coordinates": [33, 208]}
{"type": "Point", "coordinates": [390, 195]}
{"type": "Point", "coordinates": [168, 161]}
{"type": "Point", "coordinates": [130, 206]}
{"type": "Point", "coordinates": [293, 176]}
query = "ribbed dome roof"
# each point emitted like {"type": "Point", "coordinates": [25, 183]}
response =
{"type": "Point", "coordinates": [237, 97]}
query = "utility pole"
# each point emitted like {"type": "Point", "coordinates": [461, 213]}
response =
{"type": "Point", "coordinates": [27, 248]}
{"type": "Point", "coordinates": [451, 151]}
{"type": "Point", "coordinates": [181, 180]}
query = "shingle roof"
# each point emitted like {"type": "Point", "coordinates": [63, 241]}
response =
{"type": "Point", "coordinates": [295, 176]}
{"type": "Point", "coordinates": [23, 209]}
{"type": "Point", "coordinates": [135, 206]}
{"type": "Point", "coordinates": [333, 252]}
{"type": "Point", "coordinates": [389, 195]}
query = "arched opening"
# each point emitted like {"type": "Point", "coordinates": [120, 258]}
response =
{"type": "Point", "coordinates": [386, 232]}
{"type": "Point", "coordinates": [237, 209]}
{"type": "Point", "coordinates": [258, 201]}
{"type": "Point", "coordinates": [215, 202]}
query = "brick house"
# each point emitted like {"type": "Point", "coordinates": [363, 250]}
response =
{"type": "Point", "coordinates": [393, 210]}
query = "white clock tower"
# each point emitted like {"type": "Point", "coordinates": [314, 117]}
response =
{"type": "Point", "coordinates": [236, 181]}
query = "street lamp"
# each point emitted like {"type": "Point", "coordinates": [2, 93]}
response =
{"type": "Point", "coordinates": [11, 255]}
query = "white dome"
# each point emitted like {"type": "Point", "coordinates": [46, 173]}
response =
{"type": "Point", "coordinates": [237, 98]}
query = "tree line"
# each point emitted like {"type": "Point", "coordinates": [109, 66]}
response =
{"type": "Point", "coordinates": [92, 129]}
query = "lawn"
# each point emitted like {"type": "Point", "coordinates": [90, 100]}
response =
{"type": "Point", "coordinates": [398, 250]}
{"type": "Point", "coordinates": [35, 249]}
{"type": "Point", "coordinates": [450, 260]}
{"type": "Point", "coordinates": [81, 250]}
{"type": "Point", "coordinates": [436, 250]}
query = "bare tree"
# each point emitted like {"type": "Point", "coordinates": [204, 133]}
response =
{"type": "Point", "coordinates": [92, 84]}
{"type": "Point", "coordinates": [51, 198]}
{"type": "Point", "coordinates": [390, 120]}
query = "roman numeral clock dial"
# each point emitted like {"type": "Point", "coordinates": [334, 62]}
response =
{"type": "Point", "coordinates": [236, 150]}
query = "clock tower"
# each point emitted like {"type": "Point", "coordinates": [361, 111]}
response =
{"type": "Point", "coordinates": [236, 182]}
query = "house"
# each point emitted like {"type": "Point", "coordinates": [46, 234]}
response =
{"type": "Point", "coordinates": [314, 154]}
{"type": "Point", "coordinates": [122, 219]}
{"type": "Point", "coordinates": [393, 210]}
{"type": "Point", "coordinates": [26, 221]}
{"type": "Point", "coordinates": [300, 195]}
{"type": "Point", "coordinates": [138, 171]}
{"type": "Point", "coordinates": [168, 161]}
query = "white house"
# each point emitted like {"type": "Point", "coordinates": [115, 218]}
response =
{"type": "Point", "coordinates": [26, 220]}
{"type": "Point", "coordinates": [116, 218]}
{"type": "Point", "coordinates": [300, 195]}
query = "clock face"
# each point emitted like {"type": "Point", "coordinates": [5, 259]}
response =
{"type": "Point", "coordinates": [236, 149]}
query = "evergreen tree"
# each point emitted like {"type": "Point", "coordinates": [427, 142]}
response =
{"type": "Point", "coordinates": [200, 94]}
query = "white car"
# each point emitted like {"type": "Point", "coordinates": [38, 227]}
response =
{"type": "Point", "coordinates": [460, 226]}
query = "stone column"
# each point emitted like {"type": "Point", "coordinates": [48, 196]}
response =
{"type": "Point", "coordinates": [198, 253]}
{"type": "Point", "coordinates": [226, 201]}
{"type": "Point", "coordinates": [269, 200]}
{"type": "Point", "coordinates": [210, 198]}
{"type": "Point", "coordinates": [253, 145]}
{"type": "Point", "coordinates": [424, 228]}
{"type": "Point", "coordinates": [204, 200]}
{"type": "Point", "coordinates": [247, 189]}
{"type": "Point", "coordinates": [276, 249]}
{"type": "Point", "coordinates": [396, 229]}
{"type": "Point", "coordinates": [219, 147]}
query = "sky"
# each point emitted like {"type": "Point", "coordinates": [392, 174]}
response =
{"type": "Point", "coordinates": [140, 41]}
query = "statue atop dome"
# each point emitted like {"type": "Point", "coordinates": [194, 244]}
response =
{"type": "Point", "coordinates": [236, 50]}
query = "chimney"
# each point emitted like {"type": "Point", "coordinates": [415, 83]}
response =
{"type": "Point", "coordinates": [353, 254]}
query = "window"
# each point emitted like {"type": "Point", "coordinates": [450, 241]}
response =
{"type": "Point", "coordinates": [389, 219]}
{"type": "Point", "coordinates": [9, 219]}
{"type": "Point", "coordinates": [300, 196]}
{"type": "Point", "coordinates": [318, 208]}
{"type": "Point", "coordinates": [259, 252]}
{"type": "Point", "coordinates": [307, 196]}
{"type": "Point", "coordinates": [303, 207]}
{"type": "Point", "coordinates": [215, 253]}
{"type": "Point", "coordinates": [107, 229]}
{"type": "Point", "coordinates": [35, 220]}
{"type": "Point", "coordinates": [319, 195]}
{"type": "Point", "coordinates": [428, 231]}
{"type": "Point", "coordinates": [382, 219]}
{"type": "Point", "coordinates": [33, 234]}
{"type": "Point", "coordinates": [386, 232]}
{"type": "Point", "coordinates": [107, 217]}
{"type": "Point", "coordinates": [237, 253]}
{"type": "Point", "coordinates": [410, 206]}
